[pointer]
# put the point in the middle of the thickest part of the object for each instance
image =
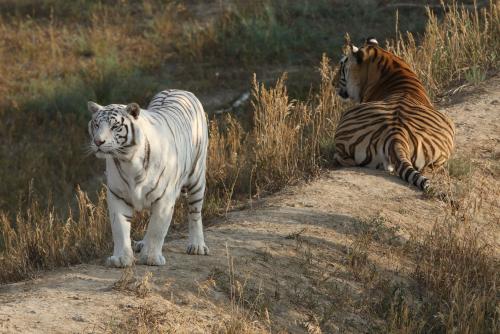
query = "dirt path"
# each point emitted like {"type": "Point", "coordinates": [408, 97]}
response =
{"type": "Point", "coordinates": [292, 256]}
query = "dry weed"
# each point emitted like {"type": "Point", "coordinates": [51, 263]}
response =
{"type": "Point", "coordinates": [289, 137]}
{"type": "Point", "coordinates": [39, 239]}
{"type": "Point", "coordinates": [144, 319]}
{"type": "Point", "coordinates": [456, 273]}
{"type": "Point", "coordinates": [249, 306]}
{"type": "Point", "coordinates": [463, 46]}
{"type": "Point", "coordinates": [129, 282]}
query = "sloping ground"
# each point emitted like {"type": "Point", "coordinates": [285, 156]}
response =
{"type": "Point", "coordinates": [314, 257]}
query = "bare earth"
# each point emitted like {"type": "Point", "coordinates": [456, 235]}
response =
{"type": "Point", "coordinates": [292, 254]}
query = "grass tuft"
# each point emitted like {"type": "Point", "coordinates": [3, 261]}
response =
{"type": "Point", "coordinates": [462, 46]}
{"type": "Point", "coordinates": [39, 239]}
{"type": "Point", "coordinates": [459, 167]}
{"type": "Point", "coordinates": [130, 283]}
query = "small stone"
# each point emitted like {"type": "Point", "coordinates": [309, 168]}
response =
{"type": "Point", "coordinates": [78, 318]}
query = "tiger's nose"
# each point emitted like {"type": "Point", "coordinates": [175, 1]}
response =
{"type": "Point", "coordinates": [343, 93]}
{"type": "Point", "coordinates": [98, 142]}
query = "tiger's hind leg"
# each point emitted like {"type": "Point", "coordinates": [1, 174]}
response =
{"type": "Point", "coordinates": [195, 197]}
{"type": "Point", "coordinates": [344, 161]}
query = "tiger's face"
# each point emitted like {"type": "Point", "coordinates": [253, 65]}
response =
{"type": "Point", "coordinates": [353, 72]}
{"type": "Point", "coordinates": [349, 81]}
{"type": "Point", "coordinates": [111, 129]}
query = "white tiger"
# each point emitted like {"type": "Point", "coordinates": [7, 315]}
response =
{"type": "Point", "coordinates": [151, 155]}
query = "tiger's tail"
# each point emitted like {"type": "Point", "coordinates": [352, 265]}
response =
{"type": "Point", "coordinates": [406, 171]}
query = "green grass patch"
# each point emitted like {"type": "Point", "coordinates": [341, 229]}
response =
{"type": "Point", "coordinates": [459, 167]}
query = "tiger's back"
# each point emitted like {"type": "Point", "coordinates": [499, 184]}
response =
{"type": "Point", "coordinates": [181, 114]}
{"type": "Point", "coordinates": [395, 126]}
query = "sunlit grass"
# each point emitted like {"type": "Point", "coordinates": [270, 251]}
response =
{"type": "Point", "coordinates": [285, 140]}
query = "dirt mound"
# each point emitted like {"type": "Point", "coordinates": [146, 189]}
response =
{"type": "Point", "coordinates": [312, 257]}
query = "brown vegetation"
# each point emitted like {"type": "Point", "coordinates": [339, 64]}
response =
{"type": "Point", "coordinates": [454, 281]}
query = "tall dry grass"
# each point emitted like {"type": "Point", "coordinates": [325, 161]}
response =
{"type": "Point", "coordinates": [288, 136]}
{"type": "Point", "coordinates": [39, 238]}
{"type": "Point", "coordinates": [286, 141]}
{"type": "Point", "coordinates": [462, 46]}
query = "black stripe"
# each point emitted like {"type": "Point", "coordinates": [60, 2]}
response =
{"type": "Point", "coordinates": [194, 185]}
{"type": "Point", "coordinates": [195, 201]}
{"type": "Point", "coordinates": [120, 172]}
{"type": "Point", "coordinates": [163, 193]}
{"type": "Point", "coordinates": [132, 130]}
{"type": "Point", "coordinates": [145, 163]}
{"type": "Point", "coordinates": [416, 177]}
{"type": "Point", "coordinates": [157, 182]}
{"type": "Point", "coordinates": [196, 191]}
{"type": "Point", "coordinates": [120, 198]}
{"type": "Point", "coordinates": [407, 173]}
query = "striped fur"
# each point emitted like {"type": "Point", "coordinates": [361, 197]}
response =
{"type": "Point", "coordinates": [151, 156]}
{"type": "Point", "coordinates": [395, 125]}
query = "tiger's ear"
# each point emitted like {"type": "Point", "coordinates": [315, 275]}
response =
{"type": "Point", "coordinates": [357, 53]}
{"type": "Point", "coordinates": [134, 110]}
{"type": "Point", "coordinates": [93, 107]}
{"type": "Point", "coordinates": [371, 41]}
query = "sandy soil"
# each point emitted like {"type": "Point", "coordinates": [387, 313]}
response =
{"type": "Point", "coordinates": [291, 254]}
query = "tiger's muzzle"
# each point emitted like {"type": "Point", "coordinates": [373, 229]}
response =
{"type": "Point", "coordinates": [343, 93]}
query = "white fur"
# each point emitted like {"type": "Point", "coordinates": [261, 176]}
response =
{"type": "Point", "coordinates": [352, 87]}
{"type": "Point", "coordinates": [388, 166]}
{"type": "Point", "coordinates": [176, 159]}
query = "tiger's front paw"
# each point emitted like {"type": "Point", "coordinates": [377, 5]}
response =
{"type": "Point", "coordinates": [152, 259]}
{"type": "Point", "coordinates": [120, 261]}
{"type": "Point", "coordinates": [197, 249]}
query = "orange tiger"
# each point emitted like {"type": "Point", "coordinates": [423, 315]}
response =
{"type": "Point", "coordinates": [394, 126]}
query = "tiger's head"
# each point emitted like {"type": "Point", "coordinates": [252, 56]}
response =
{"type": "Point", "coordinates": [355, 71]}
{"type": "Point", "coordinates": [112, 130]}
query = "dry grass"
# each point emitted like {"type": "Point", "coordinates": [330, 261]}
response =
{"type": "Point", "coordinates": [129, 282]}
{"type": "Point", "coordinates": [454, 282]}
{"type": "Point", "coordinates": [459, 167]}
{"type": "Point", "coordinates": [248, 304]}
{"type": "Point", "coordinates": [40, 239]}
{"type": "Point", "coordinates": [460, 279]}
{"type": "Point", "coordinates": [289, 135]}
{"type": "Point", "coordinates": [285, 143]}
{"type": "Point", "coordinates": [451, 282]}
{"type": "Point", "coordinates": [457, 268]}
{"type": "Point", "coordinates": [143, 319]}
{"type": "Point", "coordinates": [463, 46]}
